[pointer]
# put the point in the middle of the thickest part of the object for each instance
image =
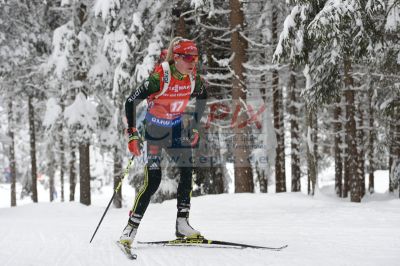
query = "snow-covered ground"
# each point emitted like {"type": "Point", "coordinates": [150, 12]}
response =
{"type": "Point", "coordinates": [322, 230]}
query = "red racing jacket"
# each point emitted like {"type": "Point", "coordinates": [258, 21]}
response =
{"type": "Point", "coordinates": [166, 106]}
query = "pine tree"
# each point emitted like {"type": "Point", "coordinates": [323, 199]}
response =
{"type": "Point", "coordinates": [24, 46]}
{"type": "Point", "coordinates": [70, 62]}
{"type": "Point", "coordinates": [318, 33]}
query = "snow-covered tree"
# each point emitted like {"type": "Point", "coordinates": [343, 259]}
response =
{"type": "Point", "coordinates": [24, 45]}
{"type": "Point", "coordinates": [70, 62]}
{"type": "Point", "coordinates": [330, 37]}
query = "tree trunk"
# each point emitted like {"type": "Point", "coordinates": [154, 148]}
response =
{"type": "Point", "coordinates": [371, 140]}
{"type": "Point", "coordinates": [243, 170]}
{"type": "Point", "coordinates": [346, 163]}
{"type": "Point", "coordinates": [13, 167]}
{"type": "Point", "coordinates": [361, 150]}
{"type": "Point", "coordinates": [117, 177]}
{"type": "Point", "coordinates": [261, 172]}
{"type": "Point", "coordinates": [311, 160]}
{"type": "Point", "coordinates": [394, 159]}
{"type": "Point", "coordinates": [391, 151]}
{"type": "Point", "coordinates": [51, 171]}
{"type": "Point", "coordinates": [33, 149]}
{"type": "Point", "coordinates": [338, 150]}
{"type": "Point", "coordinates": [72, 172]}
{"type": "Point", "coordinates": [262, 179]}
{"type": "Point", "coordinates": [84, 173]}
{"type": "Point", "coordinates": [398, 146]}
{"type": "Point", "coordinates": [216, 185]}
{"type": "Point", "coordinates": [62, 153]}
{"type": "Point", "coordinates": [355, 184]}
{"type": "Point", "coordinates": [315, 141]}
{"type": "Point", "coordinates": [62, 164]}
{"type": "Point", "coordinates": [51, 168]}
{"type": "Point", "coordinates": [397, 141]}
{"type": "Point", "coordinates": [280, 175]}
{"type": "Point", "coordinates": [294, 131]}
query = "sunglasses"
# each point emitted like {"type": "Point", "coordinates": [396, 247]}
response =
{"type": "Point", "coordinates": [189, 58]}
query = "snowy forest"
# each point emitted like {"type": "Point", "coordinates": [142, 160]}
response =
{"type": "Point", "coordinates": [312, 83]}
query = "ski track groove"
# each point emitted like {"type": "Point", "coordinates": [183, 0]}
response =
{"type": "Point", "coordinates": [11, 254]}
{"type": "Point", "coordinates": [42, 252]}
{"type": "Point", "coordinates": [10, 257]}
{"type": "Point", "coordinates": [66, 251]}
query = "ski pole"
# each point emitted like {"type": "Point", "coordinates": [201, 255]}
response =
{"type": "Point", "coordinates": [126, 172]}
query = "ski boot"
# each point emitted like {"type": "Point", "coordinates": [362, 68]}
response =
{"type": "Point", "coordinates": [130, 230]}
{"type": "Point", "coordinates": [128, 235]}
{"type": "Point", "coordinates": [185, 230]}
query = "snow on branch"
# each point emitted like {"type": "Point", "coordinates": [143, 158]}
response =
{"type": "Point", "coordinates": [288, 32]}
{"type": "Point", "coordinates": [53, 111]}
{"type": "Point", "coordinates": [393, 17]}
{"type": "Point", "coordinates": [106, 8]}
{"type": "Point", "coordinates": [198, 3]}
{"type": "Point", "coordinates": [374, 5]}
{"type": "Point", "coordinates": [252, 42]}
{"type": "Point", "coordinates": [66, 2]}
{"type": "Point", "coordinates": [63, 41]}
{"type": "Point", "coordinates": [81, 112]}
{"type": "Point", "coordinates": [100, 68]}
{"type": "Point", "coordinates": [327, 20]}
{"type": "Point", "coordinates": [121, 78]}
{"type": "Point", "coordinates": [152, 52]}
{"type": "Point", "coordinates": [265, 67]}
{"type": "Point", "coordinates": [137, 22]}
{"type": "Point", "coordinates": [306, 73]}
{"type": "Point", "coordinates": [116, 45]}
{"type": "Point", "coordinates": [223, 62]}
{"type": "Point", "coordinates": [209, 27]}
{"type": "Point", "coordinates": [84, 41]}
{"type": "Point", "coordinates": [219, 76]}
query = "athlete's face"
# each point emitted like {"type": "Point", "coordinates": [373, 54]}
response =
{"type": "Point", "coordinates": [185, 63]}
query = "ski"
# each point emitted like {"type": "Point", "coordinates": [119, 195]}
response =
{"type": "Point", "coordinates": [127, 251]}
{"type": "Point", "coordinates": [202, 242]}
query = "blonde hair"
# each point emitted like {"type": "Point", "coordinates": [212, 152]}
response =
{"type": "Point", "coordinates": [170, 54]}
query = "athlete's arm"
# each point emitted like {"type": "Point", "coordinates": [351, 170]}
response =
{"type": "Point", "coordinates": [200, 94]}
{"type": "Point", "coordinates": [149, 86]}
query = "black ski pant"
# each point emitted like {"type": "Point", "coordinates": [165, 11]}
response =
{"type": "Point", "coordinates": [176, 145]}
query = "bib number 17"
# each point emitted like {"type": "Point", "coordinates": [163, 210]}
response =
{"type": "Point", "coordinates": [177, 106]}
